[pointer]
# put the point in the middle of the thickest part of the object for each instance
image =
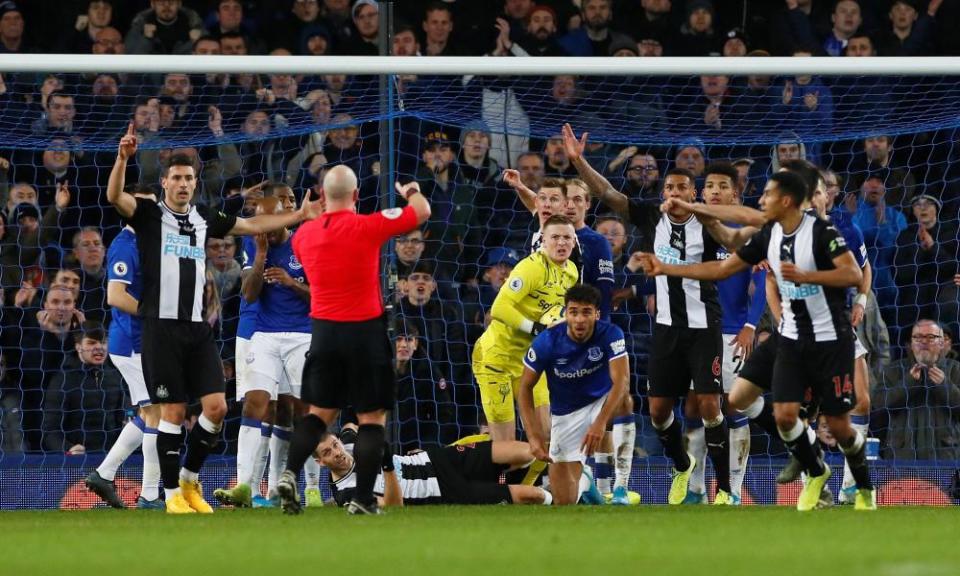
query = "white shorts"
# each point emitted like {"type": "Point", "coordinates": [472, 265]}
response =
{"type": "Point", "coordinates": [240, 364]}
{"type": "Point", "coordinates": [859, 350]}
{"type": "Point", "coordinates": [131, 368]}
{"type": "Point", "coordinates": [275, 363]}
{"type": "Point", "coordinates": [567, 431]}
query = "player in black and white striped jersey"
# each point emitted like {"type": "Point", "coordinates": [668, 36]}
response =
{"type": "Point", "coordinates": [813, 268]}
{"type": "Point", "coordinates": [687, 339]}
{"type": "Point", "coordinates": [460, 474]}
{"type": "Point", "coordinates": [180, 358]}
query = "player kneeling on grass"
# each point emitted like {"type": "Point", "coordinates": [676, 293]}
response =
{"type": "Point", "coordinates": [460, 474]}
{"type": "Point", "coordinates": [588, 373]}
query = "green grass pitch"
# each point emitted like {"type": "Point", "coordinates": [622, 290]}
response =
{"type": "Point", "coordinates": [497, 541]}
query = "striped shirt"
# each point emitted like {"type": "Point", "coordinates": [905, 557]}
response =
{"type": "Point", "coordinates": [681, 302]}
{"type": "Point", "coordinates": [173, 258]}
{"type": "Point", "coordinates": [809, 310]}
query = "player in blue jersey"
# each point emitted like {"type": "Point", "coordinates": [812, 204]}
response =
{"type": "Point", "coordinates": [277, 349]}
{"type": "Point", "coordinates": [741, 311]}
{"type": "Point", "coordinates": [123, 295]}
{"type": "Point", "coordinates": [588, 373]}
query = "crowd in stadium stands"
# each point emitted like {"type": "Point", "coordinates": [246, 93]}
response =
{"type": "Point", "coordinates": [59, 395]}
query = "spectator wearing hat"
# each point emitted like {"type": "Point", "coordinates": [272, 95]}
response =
{"type": "Point", "coordinates": [925, 263]}
{"type": "Point", "coordinates": [594, 36]}
{"type": "Point", "coordinates": [366, 21]}
{"type": "Point", "coordinates": [881, 224]}
{"type": "Point", "coordinates": [440, 323]}
{"type": "Point", "coordinates": [12, 26]}
{"type": "Point", "coordinates": [645, 20]}
{"type": "Point", "coordinates": [734, 43]}
{"type": "Point", "coordinates": [452, 227]}
{"type": "Point", "coordinates": [910, 33]}
{"type": "Point", "coordinates": [916, 401]}
{"type": "Point", "coordinates": [478, 296]}
{"type": "Point", "coordinates": [426, 412]}
{"type": "Point", "coordinates": [167, 27]}
{"type": "Point", "coordinates": [697, 34]}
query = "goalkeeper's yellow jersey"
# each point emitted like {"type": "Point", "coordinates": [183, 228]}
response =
{"type": "Point", "coordinates": [535, 285]}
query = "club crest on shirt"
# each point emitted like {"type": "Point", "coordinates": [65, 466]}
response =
{"type": "Point", "coordinates": [594, 354]}
{"type": "Point", "coordinates": [120, 268]}
{"type": "Point", "coordinates": [294, 263]}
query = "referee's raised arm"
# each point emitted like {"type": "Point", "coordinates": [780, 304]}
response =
{"type": "Point", "coordinates": [411, 193]}
{"type": "Point", "coordinates": [125, 204]}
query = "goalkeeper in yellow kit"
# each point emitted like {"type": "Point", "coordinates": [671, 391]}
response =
{"type": "Point", "coordinates": [536, 285]}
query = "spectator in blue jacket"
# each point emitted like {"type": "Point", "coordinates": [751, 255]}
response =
{"type": "Point", "coordinates": [881, 224]}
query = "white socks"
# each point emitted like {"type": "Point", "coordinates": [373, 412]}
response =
{"type": "Point", "coordinates": [311, 469]}
{"type": "Point", "coordinates": [130, 438]}
{"type": "Point", "coordinates": [150, 486]}
{"type": "Point", "coordinates": [279, 446]}
{"type": "Point", "coordinates": [697, 447]}
{"type": "Point", "coordinates": [739, 453]}
{"type": "Point", "coordinates": [260, 463]}
{"type": "Point", "coordinates": [248, 448]}
{"type": "Point", "coordinates": [624, 437]}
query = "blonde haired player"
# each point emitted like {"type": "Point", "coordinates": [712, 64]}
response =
{"type": "Point", "coordinates": [536, 285]}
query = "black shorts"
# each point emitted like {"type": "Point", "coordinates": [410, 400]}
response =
{"type": "Point", "coordinates": [680, 355]}
{"type": "Point", "coordinates": [808, 370]}
{"type": "Point", "coordinates": [758, 367]}
{"type": "Point", "coordinates": [349, 364]}
{"type": "Point", "coordinates": [180, 360]}
{"type": "Point", "coordinates": [467, 474]}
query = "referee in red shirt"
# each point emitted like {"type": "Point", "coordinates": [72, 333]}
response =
{"type": "Point", "coordinates": [350, 362]}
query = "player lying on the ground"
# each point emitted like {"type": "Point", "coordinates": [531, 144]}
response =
{"type": "Point", "coordinates": [459, 474]}
{"type": "Point", "coordinates": [587, 375]}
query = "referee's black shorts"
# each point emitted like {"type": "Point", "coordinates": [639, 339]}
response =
{"type": "Point", "coordinates": [180, 360]}
{"type": "Point", "coordinates": [682, 355]}
{"type": "Point", "coordinates": [467, 474]}
{"type": "Point", "coordinates": [349, 364]}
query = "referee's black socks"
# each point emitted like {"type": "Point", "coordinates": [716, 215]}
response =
{"type": "Point", "coordinates": [306, 436]}
{"type": "Point", "coordinates": [368, 454]}
{"type": "Point", "coordinates": [717, 436]}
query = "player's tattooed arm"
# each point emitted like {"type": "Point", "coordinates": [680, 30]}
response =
{"type": "Point", "coordinates": [599, 186]}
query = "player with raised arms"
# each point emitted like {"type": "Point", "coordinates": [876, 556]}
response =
{"type": "Point", "coordinates": [813, 267]}
{"type": "Point", "coordinates": [588, 372]}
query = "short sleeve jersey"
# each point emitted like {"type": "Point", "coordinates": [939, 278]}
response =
{"type": "Point", "coordinates": [173, 258]}
{"type": "Point", "coordinates": [340, 254]}
{"type": "Point", "coordinates": [281, 308]}
{"type": "Point", "coordinates": [810, 311]}
{"type": "Point", "coordinates": [123, 266]}
{"type": "Point", "coordinates": [577, 372]}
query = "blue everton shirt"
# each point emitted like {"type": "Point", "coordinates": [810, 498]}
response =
{"type": "Point", "coordinates": [247, 324]}
{"type": "Point", "coordinates": [737, 307]}
{"type": "Point", "coordinates": [281, 308]}
{"type": "Point", "coordinates": [577, 373]}
{"type": "Point", "coordinates": [597, 266]}
{"type": "Point", "coordinates": [123, 265]}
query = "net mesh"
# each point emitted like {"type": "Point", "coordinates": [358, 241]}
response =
{"type": "Point", "coordinates": [888, 140]}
